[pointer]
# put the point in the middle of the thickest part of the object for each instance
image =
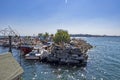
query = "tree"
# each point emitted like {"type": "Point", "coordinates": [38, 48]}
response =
{"type": "Point", "coordinates": [46, 35]}
{"type": "Point", "coordinates": [40, 34]}
{"type": "Point", "coordinates": [61, 36]}
{"type": "Point", "coordinates": [51, 37]}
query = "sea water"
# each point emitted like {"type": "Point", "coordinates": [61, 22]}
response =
{"type": "Point", "coordinates": [103, 63]}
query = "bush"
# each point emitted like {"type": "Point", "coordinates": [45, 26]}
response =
{"type": "Point", "coordinates": [61, 36]}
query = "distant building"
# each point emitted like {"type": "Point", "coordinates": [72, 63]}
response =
{"type": "Point", "coordinates": [9, 67]}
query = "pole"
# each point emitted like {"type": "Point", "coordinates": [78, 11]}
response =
{"type": "Point", "coordinates": [20, 51]}
{"type": "Point", "coordinates": [10, 44]}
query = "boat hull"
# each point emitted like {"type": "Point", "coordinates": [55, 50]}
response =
{"type": "Point", "coordinates": [26, 49]}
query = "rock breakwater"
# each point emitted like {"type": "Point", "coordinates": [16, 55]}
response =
{"type": "Point", "coordinates": [73, 53]}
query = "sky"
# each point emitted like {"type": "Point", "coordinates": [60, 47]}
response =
{"type": "Point", "coordinates": [30, 17]}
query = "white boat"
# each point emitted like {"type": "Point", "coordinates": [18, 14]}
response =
{"type": "Point", "coordinates": [34, 55]}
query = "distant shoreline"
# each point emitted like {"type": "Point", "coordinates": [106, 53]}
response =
{"type": "Point", "coordinates": [82, 35]}
{"type": "Point", "coordinates": [89, 35]}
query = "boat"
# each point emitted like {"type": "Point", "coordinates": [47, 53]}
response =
{"type": "Point", "coordinates": [26, 49]}
{"type": "Point", "coordinates": [40, 54]}
{"type": "Point", "coordinates": [34, 55]}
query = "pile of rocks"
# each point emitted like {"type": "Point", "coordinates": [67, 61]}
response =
{"type": "Point", "coordinates": [81, 44]}
{"type": "Point", "coordinates": [71, 54]}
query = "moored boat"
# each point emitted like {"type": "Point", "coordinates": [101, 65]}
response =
{"type": "Point", "coordinates": [34, 55]}
{"type": "Point", "coordinates": [26, 49]}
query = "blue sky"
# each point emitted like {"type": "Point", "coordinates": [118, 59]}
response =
{"type": "Point", "coordinates": [30, 17]}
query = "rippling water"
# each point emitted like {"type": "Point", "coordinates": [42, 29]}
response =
{"type": "Point", "coordinates": [103, 63]}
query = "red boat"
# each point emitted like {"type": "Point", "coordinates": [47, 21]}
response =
{"type": "Point", "coordinates": [26, 49]}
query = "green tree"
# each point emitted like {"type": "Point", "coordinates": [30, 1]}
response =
{"type": "Point", "coordinates": [51, 35]}
{"type": "Point", "coordinates": [61, 36]}
{"type": "Point", "coordinates": [40, 34]}
{"type": "Point", "coordinates": [46, 35]}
